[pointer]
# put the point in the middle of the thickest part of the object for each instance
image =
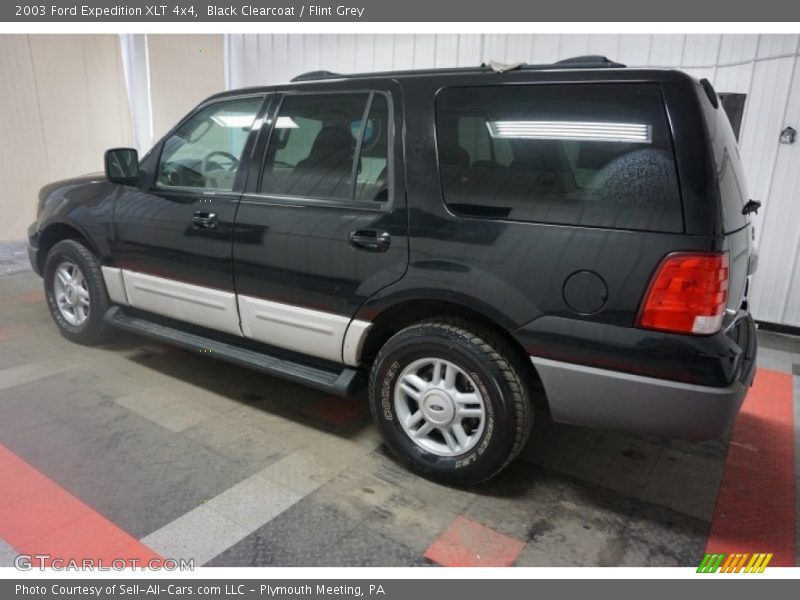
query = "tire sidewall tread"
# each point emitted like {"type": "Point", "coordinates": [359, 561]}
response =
{"type": "Point", "coordinates": [495, 368]}
{"type": "Point", "coordinates": [93, 330]}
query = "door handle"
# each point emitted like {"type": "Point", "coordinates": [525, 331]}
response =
{"type": "Point", "coordinates": [371, 240]}
{"type": "Point", "coordinates": [204, 220]}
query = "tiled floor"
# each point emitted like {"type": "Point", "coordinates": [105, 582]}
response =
{"type": "Point", "coordinates": [200, 459]}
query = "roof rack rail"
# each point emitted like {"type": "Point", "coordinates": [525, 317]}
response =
{"type": "Point", "coordinates": [576, 62]}
{"type": "Point", "coordinates": [317, 75]}
{"type": "Point", "coordinates": [595, 61]}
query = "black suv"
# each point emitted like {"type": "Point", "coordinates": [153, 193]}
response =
{"type": "Point", "coordinates": [461, 241]}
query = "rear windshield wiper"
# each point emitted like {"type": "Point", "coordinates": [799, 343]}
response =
{"type": "Point", "coordinates": [751, 206]}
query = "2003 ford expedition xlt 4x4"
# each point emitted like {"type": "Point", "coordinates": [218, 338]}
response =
{"type": "Point", "coordinates": [465, 242]}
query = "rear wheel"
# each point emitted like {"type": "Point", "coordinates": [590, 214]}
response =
{"type": "Point", "coordinates": [450, 400]}
{"type": "Point", "coordinates": [76, 293]}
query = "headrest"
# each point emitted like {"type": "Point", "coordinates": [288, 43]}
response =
{"type": "Point", "coordinates": [333, 137]}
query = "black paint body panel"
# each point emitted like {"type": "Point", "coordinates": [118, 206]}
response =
{"type": "Point", "coordinates": [296, 251]}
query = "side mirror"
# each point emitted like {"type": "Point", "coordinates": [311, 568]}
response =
{"type": "Point", "coordinates": [122, 166]}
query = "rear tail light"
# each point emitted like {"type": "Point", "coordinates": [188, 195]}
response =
{"type": "Point", "coordinates": [687, 294]}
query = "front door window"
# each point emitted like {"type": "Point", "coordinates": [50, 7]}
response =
{"type": "Point", "coordinates": [205, 151]}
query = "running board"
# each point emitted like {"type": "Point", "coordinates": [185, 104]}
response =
{"type": "Point", "coordinates": [346, 382]}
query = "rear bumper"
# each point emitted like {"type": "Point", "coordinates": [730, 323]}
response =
{"type": "Point", "coordinates": [584, 395]}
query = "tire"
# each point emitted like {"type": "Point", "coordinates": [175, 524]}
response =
{"type": "Point", "coordinates": [486, 377]}
{"type": "Point", "coordinates": [80, 323]}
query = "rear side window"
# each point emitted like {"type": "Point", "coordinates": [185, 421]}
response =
{"type": "Point", "coordinates": [596, 155]}
{"type": "Point", "coordinates": [330, 146]}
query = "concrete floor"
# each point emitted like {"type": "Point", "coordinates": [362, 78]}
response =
{"type": "Point", "coordinates": [200, 459]}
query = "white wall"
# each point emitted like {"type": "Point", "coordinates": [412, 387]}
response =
{"type": "Point", "coordinates": [765, 67]}
{"type": "Point", "coordinates": [184, 71]}
{"type": "Point", "coordinates": [63, 101]}
{"type": "Point", "coordinates": [166, 76]}
{"type": "Point", "coordinates": [68, 98]}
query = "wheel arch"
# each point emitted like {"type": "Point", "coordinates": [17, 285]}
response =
{"type": "Point", "coordinates": [402, 314]}
{"type": "Point", "coordinates": [58, 232]}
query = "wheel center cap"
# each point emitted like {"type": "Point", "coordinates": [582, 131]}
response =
{"type": "Point", "coordinates": [71, 294]}
{"type": "Point", "coordinates": [437, 407]}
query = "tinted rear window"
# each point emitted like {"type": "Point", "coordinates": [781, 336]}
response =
{"type": "Point", "coordinates": [728, 165]}
{"type": "Point", "coordinates": [595, 155]}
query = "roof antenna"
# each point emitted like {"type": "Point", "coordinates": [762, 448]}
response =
{"type": "Point", "coordinates": [499, 67]}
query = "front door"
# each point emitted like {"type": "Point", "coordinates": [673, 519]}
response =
{"type": "Point", "coordinates": [323, 224]}
{"type": "Point", "coordinates": [173, 238]}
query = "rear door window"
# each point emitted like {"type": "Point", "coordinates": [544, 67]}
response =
{"type": "Point", "coordinates": [596, 155]}
{"type": "Point", "coordinates": [329, 146]}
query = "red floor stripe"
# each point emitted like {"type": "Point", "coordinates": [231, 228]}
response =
{"type": "Point", "coordinates": [466, 543]}
{"type": "Point", "coordinates": [755, 509]}
{"type": "Point", "coordinates": [37, 516]}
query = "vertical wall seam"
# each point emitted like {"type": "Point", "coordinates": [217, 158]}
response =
{"type": "Point", "coordinates": [788, 293]}
{"type": "Point", "coordinates": [774, 165]}
{"type": "Point", "coordinates": [649, 50]}
{"type": "Point", "coordinates": [719, 53]}
{"type": "Point", "coordinates": [39, 107]}
{"type": "Point", "coordinates": [226, 60]}
{"type": "Point", "coordinates": [683, 52]}
{"type": "Point", "coordinates": [748, 100]}
{"type": "Point", "coordinates": [127, 77]}
{"type": "Point", "coordinates": [86, 83]}
{"type": "Point", "coordinates": [151, 129]}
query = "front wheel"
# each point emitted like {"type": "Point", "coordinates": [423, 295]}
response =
{"type": "Point", "coordinates": [76, 293]}
{"type": "Point", "coordinates": [450, 400]}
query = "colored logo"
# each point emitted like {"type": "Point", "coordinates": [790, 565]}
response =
{"type": "Point", "coordinates": [734, 563]}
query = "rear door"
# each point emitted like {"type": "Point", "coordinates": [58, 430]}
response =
{"type": "Point", "coordinates": [323, 223]}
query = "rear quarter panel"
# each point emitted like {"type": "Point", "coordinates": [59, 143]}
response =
{"type": "Point", "coordinates": [730, 195]}
{"type": "Point", "coordinates": [514, 272]}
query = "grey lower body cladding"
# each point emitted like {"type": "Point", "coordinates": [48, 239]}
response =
{"type": "Point", "coordinates": [582, 395]}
